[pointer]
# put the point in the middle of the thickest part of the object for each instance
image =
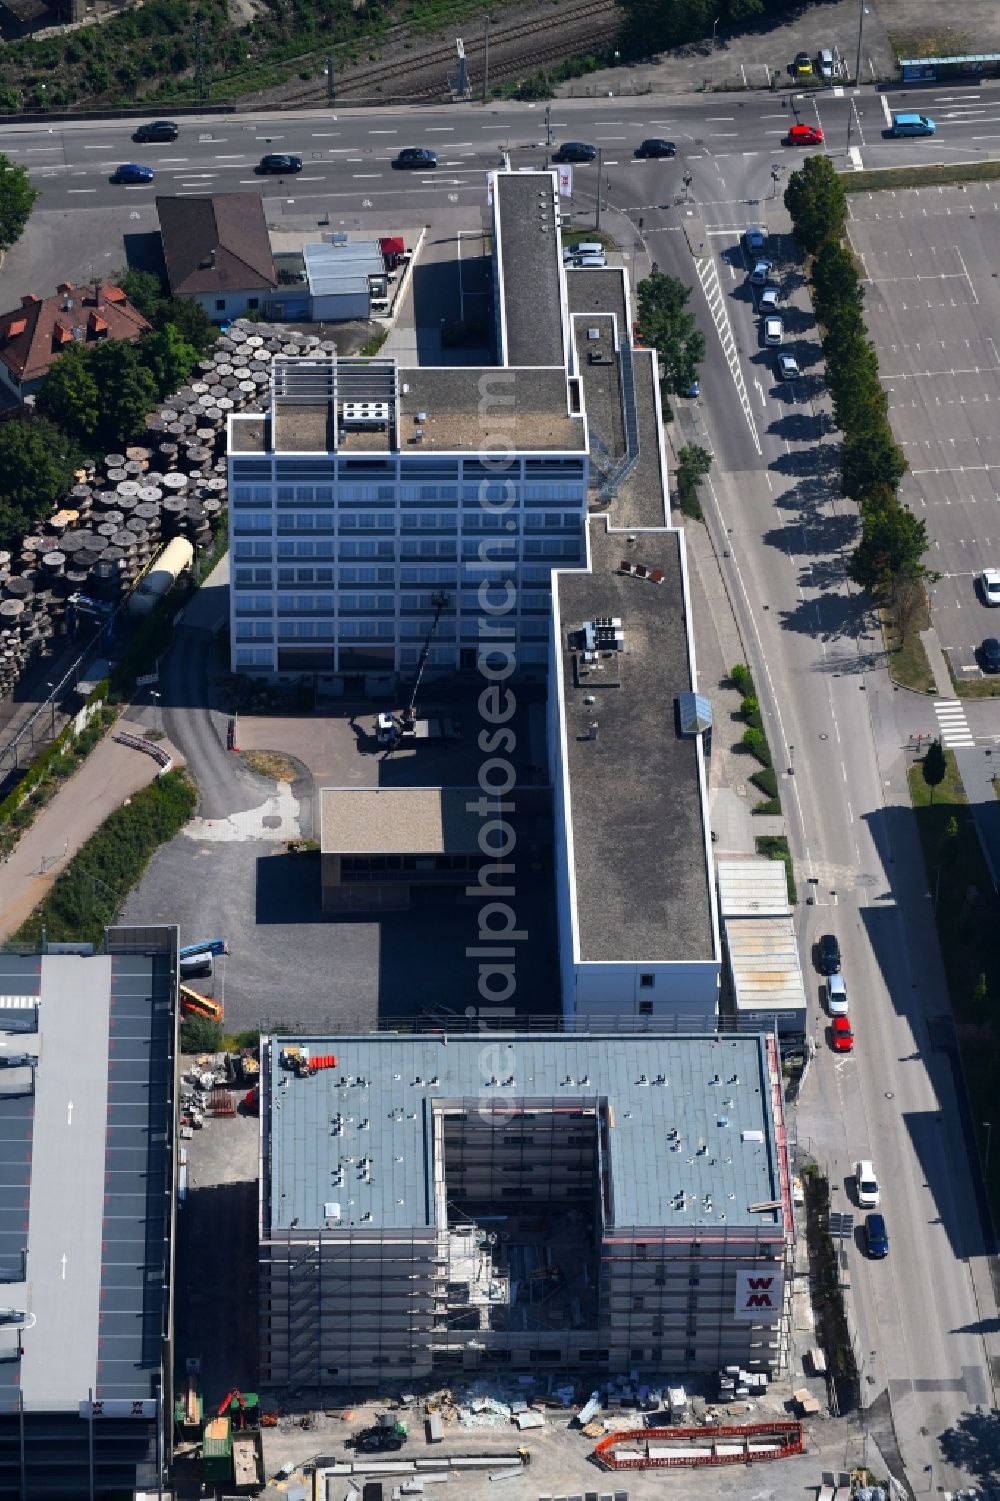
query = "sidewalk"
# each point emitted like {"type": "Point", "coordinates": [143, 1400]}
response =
{"type": "Point", "coordinates": [110, 775]}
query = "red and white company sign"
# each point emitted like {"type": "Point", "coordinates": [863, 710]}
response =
{"type": "Point", "coordinates": [759, 1295]}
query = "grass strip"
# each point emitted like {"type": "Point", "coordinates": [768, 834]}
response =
{"type": "Point", "coordinates": [91, 891]}
{"type": "Point", "coordinates": [949, 175]}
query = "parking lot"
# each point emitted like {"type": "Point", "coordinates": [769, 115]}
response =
{"type": "Point", "coordinates": [292, 965]}
{"type": "Point", "coordinates": [932, 303]}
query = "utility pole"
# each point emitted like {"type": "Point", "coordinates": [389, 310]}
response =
{"type": "Point", "coordinates": [861, 27]}
{"type": "Point", "coordinates": [548, 125]}
{"type": "Point", "coordinates": [200, 78]}
{"type": "Point", "coordinates": [331, 81]}
{"type": "Point", "coordinates": [600, 167]}
{"type": "Point", "coordinates": [486, 58]}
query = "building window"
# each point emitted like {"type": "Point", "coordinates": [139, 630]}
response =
{"type": "Point", "coordinates": [647, 981]}
{"type": "Point", "coordinates": [220, 304]}
{"type": "Point", "coordinates": [645, 1008]}
{"type": "Point", "coordinates": [253, 302]}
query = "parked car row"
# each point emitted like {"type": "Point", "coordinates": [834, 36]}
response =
{"type": "Point", "coordinates": [866, 1187]}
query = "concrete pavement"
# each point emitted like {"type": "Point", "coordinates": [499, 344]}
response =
{"type": "Point", "coordinates": [108, 777]}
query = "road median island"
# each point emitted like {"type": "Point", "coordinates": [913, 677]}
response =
{"type": "Point", "coordinates": [949, 174]}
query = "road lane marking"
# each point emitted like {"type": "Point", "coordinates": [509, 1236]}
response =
{"type": "Point", "coordinates": [81, 190]}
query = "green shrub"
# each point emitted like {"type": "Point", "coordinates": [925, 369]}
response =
{"type": "Point", "coordinates": [88, 894]}
{"type": "Point", "coordinates": [750, 709]}
{"type": "Point", "coordinates": [199, 1034]}
{"type": "Point", "coordinates": [766, 781]}
{"type": "Point", "coordinates": [743, 678]}
{"type": "Point", "coordinates": [755, 741]}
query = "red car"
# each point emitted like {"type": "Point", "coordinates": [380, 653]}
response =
{"type": "Point", "coordinates": [804, 135]}
{"type": "Point", "coordinates": [841, 1035]}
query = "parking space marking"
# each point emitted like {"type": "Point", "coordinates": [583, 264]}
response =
{"type": "Point", "coordinates": [708, 276]}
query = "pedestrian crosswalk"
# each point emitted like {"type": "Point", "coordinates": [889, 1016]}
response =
{"type": "Point", "coordinates": [954, 725]}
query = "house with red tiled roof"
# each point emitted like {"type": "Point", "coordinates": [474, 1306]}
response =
{"type": "Point", "coordinates": [37, 332]}
{"type": "Point", "coordinates": [217, 251]}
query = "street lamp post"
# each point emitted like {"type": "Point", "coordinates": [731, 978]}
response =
{"type": "Point", "coordinates": [600, 168]}
{"type": "Point", "coordinates": [791, 760]}
{"type": "Point", "coordinates": [715, 31]}
{"type": "Point", "coordinates": [486, 58]}
{"type": "Point", "coordinates": [157, 711]}
{"type": "Point", "coordinates": [861, 27]}
{"type": "Point", "coordinates": [331, 81]}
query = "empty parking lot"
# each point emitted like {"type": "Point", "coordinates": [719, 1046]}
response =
{"type": "Point", "coordinates": [933, 308]}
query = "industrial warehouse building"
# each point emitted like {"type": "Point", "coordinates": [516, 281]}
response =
{"type": "Point", "coordinates": [86, 1216]}
{"type": "Point", "coordinates": [601, 1203]}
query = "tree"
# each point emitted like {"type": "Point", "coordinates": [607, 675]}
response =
{"type": "Point", "coordinates": [128, 391]}
{"type": "Point", "coordinates": [17, 198]}
{"type": "Point", "coordinates": [170, 359]}
{"type": "Point", "coordinates": [36, 469]}
{"type": "Point", "coordinates": [143, 290]}
{"type": "Point", "coordinates": [693, 463]}
{"type": "Point", "coordinates": [893, 542]}
{"type": "Point", "coordinates": [934, 765]}
{"type": "Point", "coordinates": [666, 326]}
{"type": "Point", "coordinates": [817, 202]}
{"type": "Point", "coordinates": [70, 394]}
{"type": "Point", "coordinates": [871, 456]}
{"type": "Point", "coordinates": [835, 277]}
{"type": "Point", "coordinates": [190, 320]}
{"type": "Point", "coordinates": [101, 395]}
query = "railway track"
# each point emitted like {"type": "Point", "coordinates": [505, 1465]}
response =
{"type": "Point", "coordinates": [513, 50]}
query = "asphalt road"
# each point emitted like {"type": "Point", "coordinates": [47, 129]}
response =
{"type": "Point", "coordinates": [925, 1319]}
{"type": "Point", "coordinates": [347, 155]}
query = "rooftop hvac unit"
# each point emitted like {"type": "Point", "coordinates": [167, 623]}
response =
{"type": "Point", "coordinates": [418, 436]}
{"type": "Point", "coordinates": [420, 417]}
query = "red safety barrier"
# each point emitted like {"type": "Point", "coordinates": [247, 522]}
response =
{"type": "Point", "coordinates": [326, 1060]}
{"type": "Point", "coordinates": [787, 1436]}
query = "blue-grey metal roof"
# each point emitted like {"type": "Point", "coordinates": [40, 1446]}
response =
{"type": "Point", "coordinates": [958, 57]}
{"type": "Point", "coordinates": [370, 1118]}
{"type": "Point", "coordinates": [84, 1174]}
{"type": "Point", "coordinates": [342, 268]}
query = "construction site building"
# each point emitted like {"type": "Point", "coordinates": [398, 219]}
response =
{"type": "Point", "coordinates": [607, 1204]}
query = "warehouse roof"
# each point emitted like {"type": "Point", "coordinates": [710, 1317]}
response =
{"type": "Point", "coordinates": [634, 801]}
{"type": "Point", "coordinates": [85, 1189]}
{"type": "Point", "coordinates": [527, 255]}
{"type": "Point", "coordinates": [346, 268]}
{"type": "Point", "coordinates": [680, 1115]}
{"type": "Point", "coordinates": [752, 888]}
{"type": "Point", "coordinates": [398, 821]}
{"type": "Point", "coordinates": [764, 965]}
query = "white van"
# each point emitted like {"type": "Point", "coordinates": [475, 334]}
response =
{"type": "Point", "coordinates": [192, 965]}
{"type": "Point", "coordinates": [585, 247]}
{"type": "Point", "coordinates": [587, 263]}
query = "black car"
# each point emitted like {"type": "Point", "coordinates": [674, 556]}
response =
{"type": "Point", "coordinates": [157, 130]}
{"type": "Point", "coordinates": [876, 1237]}
{"type": "Point", "coordinates": [990, 654]}
{"type": "Point", "coordinates": [280, 162]}
{"type": "Point", "coordinates": [415, 157]}
{"type": "Point", "coordinates": [828, 955]}
{"type": "Point", "coordinates": [575, 151]}
{"type": "Point", "coordinates": [654, 147]}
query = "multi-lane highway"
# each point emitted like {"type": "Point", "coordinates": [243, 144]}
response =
{"type": "Point", "coordinates": [347, 155]}
{"type": "Point", "coordinates": [926, 1318]}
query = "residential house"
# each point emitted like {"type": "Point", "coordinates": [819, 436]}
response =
{"type": "Point", "coordinates": [37, 332]}
{"type": "Point", "coordinates": [217, 252]}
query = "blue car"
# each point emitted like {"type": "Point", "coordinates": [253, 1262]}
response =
{"type": "Point", "coordinates": [131, 172]}
{"type": "Point", "coordinates": [876, 1237]}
